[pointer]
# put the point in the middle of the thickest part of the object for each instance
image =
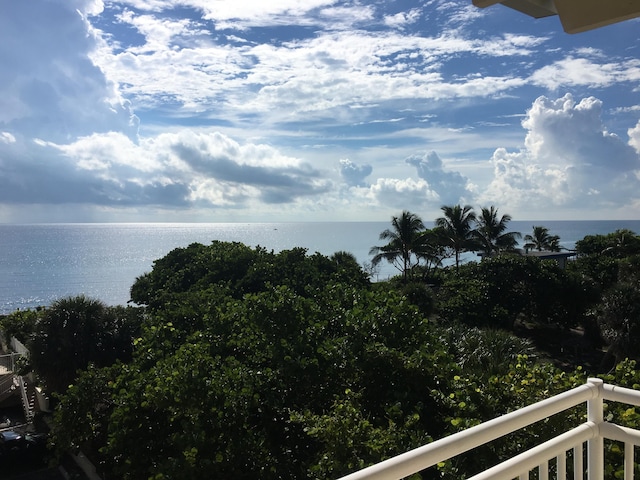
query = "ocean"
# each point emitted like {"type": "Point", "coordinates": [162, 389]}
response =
{"type": "Point", "coordinates": [41, 263]}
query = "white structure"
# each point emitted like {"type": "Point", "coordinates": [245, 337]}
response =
{"type": "Point", "coordinates": [593, 432]}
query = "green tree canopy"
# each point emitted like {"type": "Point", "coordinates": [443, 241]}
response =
{"type": "Point", "coordinates": [77, 331]}
{"type": "Point", "coordinates": [239, 269]}
{"type": "Point", "coordinates": [495, 292]}
{"type": "Point", "coordinates": [619, 244]}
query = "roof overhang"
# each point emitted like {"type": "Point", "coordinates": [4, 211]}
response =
{"type": "Point", "coordinates": [575, 15]}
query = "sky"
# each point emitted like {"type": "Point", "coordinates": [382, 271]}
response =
{"type": "Point", "coordinates": [311, 110]}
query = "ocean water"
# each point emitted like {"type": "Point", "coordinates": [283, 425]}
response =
{"type": "Point", "coordinates": [44, 262]}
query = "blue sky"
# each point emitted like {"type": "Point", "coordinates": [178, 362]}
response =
{"type": "Point", "coordinates": [292, 110]}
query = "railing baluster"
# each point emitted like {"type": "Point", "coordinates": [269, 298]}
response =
{"type": "Point", "coordinates": [543, 471]}
{"type": "Point", "coordinates": [561, 466]}
{"type": "Point", "coordinates": [578, 468]}
{"type": "Point", "coordinates": [628, 460]}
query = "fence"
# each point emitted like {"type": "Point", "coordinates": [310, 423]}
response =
{"type": "Point", "coordinates": [593, 432]}
{"type": "Point", "coordinates": [8, 362]}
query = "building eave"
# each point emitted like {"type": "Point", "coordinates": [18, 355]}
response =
{"type": "Point", "coordinates": [575, 15]}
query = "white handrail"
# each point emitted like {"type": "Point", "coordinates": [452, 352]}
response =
{"type": "Point", "coordinates": [593, 431]}
{"type": "Point", "coordinates": [621, 394]}
{"type": "Point", "coordinates": [531, 458]}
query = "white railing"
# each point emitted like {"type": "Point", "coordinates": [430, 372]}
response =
{"type": "Point", "coordinates": [8, 362]}
{"type": "Point", "coordinates": [593, 431]}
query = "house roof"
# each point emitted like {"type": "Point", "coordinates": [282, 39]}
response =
{"type": "Point", "coordinates": [575, 15]}
{"type": "Point", "coordinates": [550, 255]}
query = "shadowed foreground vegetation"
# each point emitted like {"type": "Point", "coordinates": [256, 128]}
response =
{"type": "Point", "coordinates": [243, 363]}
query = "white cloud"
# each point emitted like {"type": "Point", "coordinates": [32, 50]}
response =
{"type": "Point", "coordinates": [402, 19]}
{"type": "Point", "coordinates": [634, 137]}
{"type": "Point", "coordinates": [399, 193]}
{"type": "Point", "coordinates": [345, 17]}
{"type": "Point", "coordinates": [245, 105]}
{"type": "Point", "coordinates": [583, 72]}
{"type": "Point", "coordinates": [87, 7]}
{"type": "Point", "coordinates": [325, 70]}
{"type": "Point", "coordinates": [458, 13]}
{"type": "Point", "coordinates": [450, 186]}
{"type": "Point", "coordinates": [241, 14]}
{"type": "Point", "coordinates": [569, 160]}
{"type": "Point", "coordinates": [570, 133]}
{"type": "Point", "coordinates": [190, 166]}
{"type": "Point", "coordinates": [6, 137]}
{"type": "Point", "coordinates": [353, 174]}
{"type": "Point", "coordinates": [102, 152]}
{"type": "Point", "coordinates": [51, 89]}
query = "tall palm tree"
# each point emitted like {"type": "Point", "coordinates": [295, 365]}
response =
{"type": "Point", "coordinates": [490, 232]}
{"type": "Point", "coordinates": [406, 240]}
{"type": "Point", "coordinates": [542, 240]}
{"type": "Point", "coordinates": [457, 226]}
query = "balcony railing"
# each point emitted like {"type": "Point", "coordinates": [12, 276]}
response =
{"type": "Point", "coordinates": [593, 432]}
{"type": "Point", "coordinates": [8, 363]}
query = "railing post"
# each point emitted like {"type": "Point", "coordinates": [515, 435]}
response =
{"type": "Point", "coordinates": [595, 448]}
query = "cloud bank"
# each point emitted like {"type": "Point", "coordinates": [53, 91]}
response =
{"type": "Point", "coordinates": [154, 110]}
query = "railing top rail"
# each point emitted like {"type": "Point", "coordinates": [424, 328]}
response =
{"type": "Point", "coordinates": [12, 354]}
{"type": "Point", "coordinates": [620, 394]}
{"type": "Point", "coordinates": [428, 455]}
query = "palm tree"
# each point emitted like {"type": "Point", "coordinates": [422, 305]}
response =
{"type": "Point", "coordinates": [485, 352]}
{"type": "Point", "coordinates": [622, 243]}
{"type": "Point", "coordinates": [490, 232]}
{"type": "Point", "coordinates": [70, 335]}
{"type": "Point", "coordinates": [405, 240]}
{"type": "Point", "coordinates": [542, 240]}
{"type": "Point", "coordinates": [618, 317]}
{"type": "Point", "coordinates": [456, 226]}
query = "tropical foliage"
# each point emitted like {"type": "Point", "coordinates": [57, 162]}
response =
{"type": "Point", "coordinates": [407, 243]}
{"type": "Point", "coordinates": [541, 240]}
{"type": "Point", "coordinates": [491, 233]}
{"type": "Point", "coordinates": [457, 228]}
{"type": "Point", "coordinates": [499, 291]}
{"type": "Point", "coordinates": [73, 333]}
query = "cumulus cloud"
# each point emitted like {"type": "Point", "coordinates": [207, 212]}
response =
{"type": "Point", "coordinates": [450, 186]}
{"type": "Point", "coordinates": [569, 133]}
{"type": "Point", "coordinates": [45, 173]}
{"type": "Point", "coordinates": [569, 159]}
{"type": "Point", "coordinates": [172, 169]}
{"type": "Point", "coordinates": [353, 174]}
{"type": "Point", "coordinates": [399, 193]}
{"type": "Point", "coordinates": [51, 89]}
{"type": "Point", "coordinates": [277, 178]}
{"type": "Point", "coordinates": [634, 137]}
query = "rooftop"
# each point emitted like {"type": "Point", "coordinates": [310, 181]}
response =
{"type": "Point", "coordinates": [575, 15]}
